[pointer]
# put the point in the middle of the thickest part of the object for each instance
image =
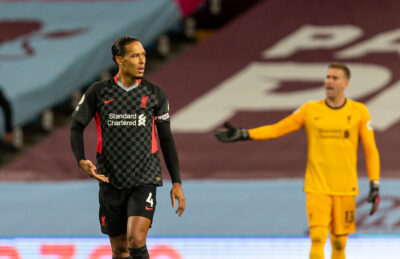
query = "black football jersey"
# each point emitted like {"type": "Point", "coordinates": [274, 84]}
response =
{"type": "Point", "coordinates": [127, 150]}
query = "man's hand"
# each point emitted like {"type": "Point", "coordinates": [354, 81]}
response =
{"type": "Point", "coordinates": [231, 133]}
{"type": "Point", "coordinates": [90, 169]}
{"type": "Point", "coordinates": [177, 193]}
{"type": "Point", "coordinates": [373, 196]}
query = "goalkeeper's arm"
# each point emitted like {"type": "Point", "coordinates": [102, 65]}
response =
{"type": "Point", "coordinates": [287, 125]}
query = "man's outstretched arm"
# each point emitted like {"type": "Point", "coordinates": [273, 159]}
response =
{"type": "Point", "coordinates": [287, 125]}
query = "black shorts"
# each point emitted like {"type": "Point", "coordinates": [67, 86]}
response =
{"type": "Point", "coordinates": [117, 205]}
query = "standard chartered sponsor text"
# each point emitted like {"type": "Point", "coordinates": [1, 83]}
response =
{"type": "Point", "coordinates": [113, 116]}
{"type": "Point", "coordinates": [125, 119]}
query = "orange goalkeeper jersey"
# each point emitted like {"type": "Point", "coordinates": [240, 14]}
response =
{"type": "Point", "coordinates": [332, 136]}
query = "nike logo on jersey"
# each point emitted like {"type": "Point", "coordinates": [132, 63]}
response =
{"type": "Point", "coordinates": [108, 101]}
{"type": "Point", "coordinates": [148, 208]}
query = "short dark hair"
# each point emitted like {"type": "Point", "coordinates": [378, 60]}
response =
{"type": "Point", "coordinates": [118, 48]}
{"type": "Point", "coordinates": [343, 67]}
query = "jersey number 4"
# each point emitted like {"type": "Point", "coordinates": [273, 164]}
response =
{"type": "Point", "coordinates": [150, 199]}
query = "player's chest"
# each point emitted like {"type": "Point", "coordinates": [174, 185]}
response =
{"type": "Point", "coordinates": [332, 123]}
{"type": "Point", "coordinates": [118, 101]}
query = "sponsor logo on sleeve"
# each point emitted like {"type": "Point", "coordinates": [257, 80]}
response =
{"type": "Point", "coordinates": [163, 117]}
{"type": "Point", "coordinates": [370, 125]}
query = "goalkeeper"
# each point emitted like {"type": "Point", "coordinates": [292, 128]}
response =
{"type": "Point", "coordinates": [333, 127]}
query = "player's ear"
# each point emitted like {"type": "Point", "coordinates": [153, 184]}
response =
{"type": "Point", "coordinates": [346, 83]}
{"type": "Point", "coordinates": [118, 59]}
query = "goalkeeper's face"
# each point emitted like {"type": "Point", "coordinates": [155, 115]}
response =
{"type": "Point", "coordinates": [335, 83]}
{"type": "Point", "coordinates": [133, 62]}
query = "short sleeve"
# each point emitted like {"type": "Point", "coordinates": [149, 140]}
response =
{"type": "Point", "coordinates": [86, 108]}
{"type": "Point", "coordinates": [162, 109]}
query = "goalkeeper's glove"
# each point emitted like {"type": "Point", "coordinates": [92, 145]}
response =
{"type": "Point", "coordinates": [373, 196]}
{"type": "Point", "coordinates": [231, 133]}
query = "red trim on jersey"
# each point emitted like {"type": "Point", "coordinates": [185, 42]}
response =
{"type": "Point", "coordinates": [99, 138]}
{"type": "Point", "coordinates": [116, 79]}
{"type": "Point", "coordinates": [154, 146]}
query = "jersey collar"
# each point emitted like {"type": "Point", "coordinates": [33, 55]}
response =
{"type": "Point", "coordinates": [124, 87]}
{"type": "Point", "coordinates": [336, 108]}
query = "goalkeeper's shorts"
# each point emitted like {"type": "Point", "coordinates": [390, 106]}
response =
{"type": "Point", "coordinates": [335, 212]}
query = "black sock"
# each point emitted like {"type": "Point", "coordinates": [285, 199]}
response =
{"type": "Point", "coordinates": [139, 253]}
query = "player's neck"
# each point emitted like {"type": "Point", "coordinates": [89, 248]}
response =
{"type": "Point", "coordinates": [127, 80]}
{"type": "Point", "coordinates": [336, 102]}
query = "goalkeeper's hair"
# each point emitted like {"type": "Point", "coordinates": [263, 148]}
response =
{"type": "Point", "coordinates": [343, 67]}
{"type": "Point", "coordinates": [118, 48]}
